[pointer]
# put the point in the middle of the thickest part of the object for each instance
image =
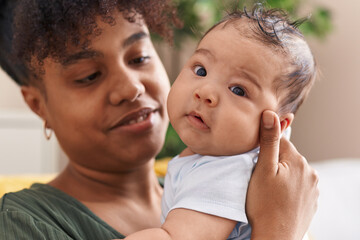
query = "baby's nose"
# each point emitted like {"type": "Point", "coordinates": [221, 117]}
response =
{"type": "Point", "coordinates": [208, 95]}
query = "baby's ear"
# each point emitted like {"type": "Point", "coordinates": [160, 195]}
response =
{"type": "Point", "coordinates": [286, 120]}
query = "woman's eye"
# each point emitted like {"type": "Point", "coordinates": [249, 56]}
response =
{"type": "Point", "coordinates": [200, 71]}
{"type": "Point", "coordinates": [89, 79]}
{"type": "Point", "coordinates": [139, 60]}
{"type": "Point", "coordinates": [238, 91]}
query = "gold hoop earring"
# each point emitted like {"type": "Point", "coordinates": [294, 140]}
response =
{"type": "Point", "coordinates": [47, 131]}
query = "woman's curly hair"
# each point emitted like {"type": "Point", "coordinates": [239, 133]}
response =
{"type": "Point", "coordinates": [44, 28]}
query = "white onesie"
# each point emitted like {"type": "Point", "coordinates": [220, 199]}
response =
{"type": "Point", "coordinates": [212, 185]}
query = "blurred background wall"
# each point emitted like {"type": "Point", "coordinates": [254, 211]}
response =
{"type": "Point", "coordinates": [326, 126]}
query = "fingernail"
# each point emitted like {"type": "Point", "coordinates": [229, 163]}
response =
{"type": "Point", "coordinates": [268, 120]}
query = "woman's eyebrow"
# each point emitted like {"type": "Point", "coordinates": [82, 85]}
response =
{"type": "Point", "coordinates": [87, 54]}
{"type": "Point", "coordinates": [134, 38]}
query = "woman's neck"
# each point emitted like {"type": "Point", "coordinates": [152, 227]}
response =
{"type": "Point", "coordinates": [127, 201]}
{"type": "Point", "coordinates": [89, 185]}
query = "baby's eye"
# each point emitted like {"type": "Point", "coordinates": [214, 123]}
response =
{"type": "Point", "coordinates": [89, 79]}
{"type": "Point", "coordinates": [200, 71]}
{"type": "Point", "coordinates": [238, 91]}
{"type": "Point", "coordinates": [139, 60]}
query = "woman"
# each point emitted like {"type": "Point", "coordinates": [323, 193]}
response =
{"type": "Point", "coordinates": [90, 71]}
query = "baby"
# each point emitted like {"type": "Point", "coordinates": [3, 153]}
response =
{"type": "Point", "coordinates": [247, 63]}
{"type": "Point", "coordinates": [244, 65]}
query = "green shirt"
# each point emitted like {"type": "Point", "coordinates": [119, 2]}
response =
{"type": "Point", "coordinates": [44, 212]}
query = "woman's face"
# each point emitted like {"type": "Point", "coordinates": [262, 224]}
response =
{"type": "Point", "coordinates": [108, 103]}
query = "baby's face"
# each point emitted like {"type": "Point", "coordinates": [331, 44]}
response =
{"type": "Point", "coordinates": [216, 102]}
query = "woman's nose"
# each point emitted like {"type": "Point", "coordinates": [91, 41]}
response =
{"type": "Point", "coordinates": [127, 87]}
{"type": "Point", "coordinates": [207, 94]}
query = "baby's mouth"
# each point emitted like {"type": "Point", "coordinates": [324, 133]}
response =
{"type": "Point", "coordinates": [198, 117]}
{"type": "Point", "coordinates": [197, 120]}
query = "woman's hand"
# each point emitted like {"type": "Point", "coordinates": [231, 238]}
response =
{"type": "Point", "coordinates": [283, 192]}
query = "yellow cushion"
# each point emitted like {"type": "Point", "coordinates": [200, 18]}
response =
{"type": "Point", "coordinates": [161, 166]}
{"type": "Point", "coordinates": [17, 182]}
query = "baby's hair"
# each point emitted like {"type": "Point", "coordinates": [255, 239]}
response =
{"type": "Point", "coordinates": [44, 28]}
{"type": "Point", "coordinates": [273, 28]}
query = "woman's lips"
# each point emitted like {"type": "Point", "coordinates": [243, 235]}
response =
{"type": "Point", "coordinates": [136, 121]}
{"type": "Point", "coordinates": [197, 121]}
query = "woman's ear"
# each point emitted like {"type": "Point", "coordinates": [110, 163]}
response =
{"type": "Point", "coordinates": [286, 120]}
{"type": "Point", "coordinates": [34, 99]}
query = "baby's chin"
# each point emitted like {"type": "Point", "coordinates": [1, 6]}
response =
{"type": "Point", "coordinates": [217, 152]}
{"type": "Point", "coordinates": [221, 150]}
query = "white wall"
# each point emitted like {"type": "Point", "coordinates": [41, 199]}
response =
{"type": "Point", "coordinates": [327, 125]}
{"type": "Point", "coordinates": [23, 147]}
{"type": "Point", "coordinates": [10, 96]}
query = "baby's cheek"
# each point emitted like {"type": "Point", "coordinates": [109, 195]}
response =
{"type": "Point", "coordinates": [253, 137]}
{"type": "Point", "coordinates": [255, 132]}
{"type": "Point", "coordinates": [251, 132]}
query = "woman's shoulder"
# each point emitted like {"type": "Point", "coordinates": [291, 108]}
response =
{"type": "Point", "coordinates": [17, 200]}
{"type": "Point", "coordinates": [26, 213]}
{"type": "Point", "coordinates": [37, 197]}
{"type": "Point", "coordinates": [40, 203]}
{"type": "Point", "coordinates": [46, 210]}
